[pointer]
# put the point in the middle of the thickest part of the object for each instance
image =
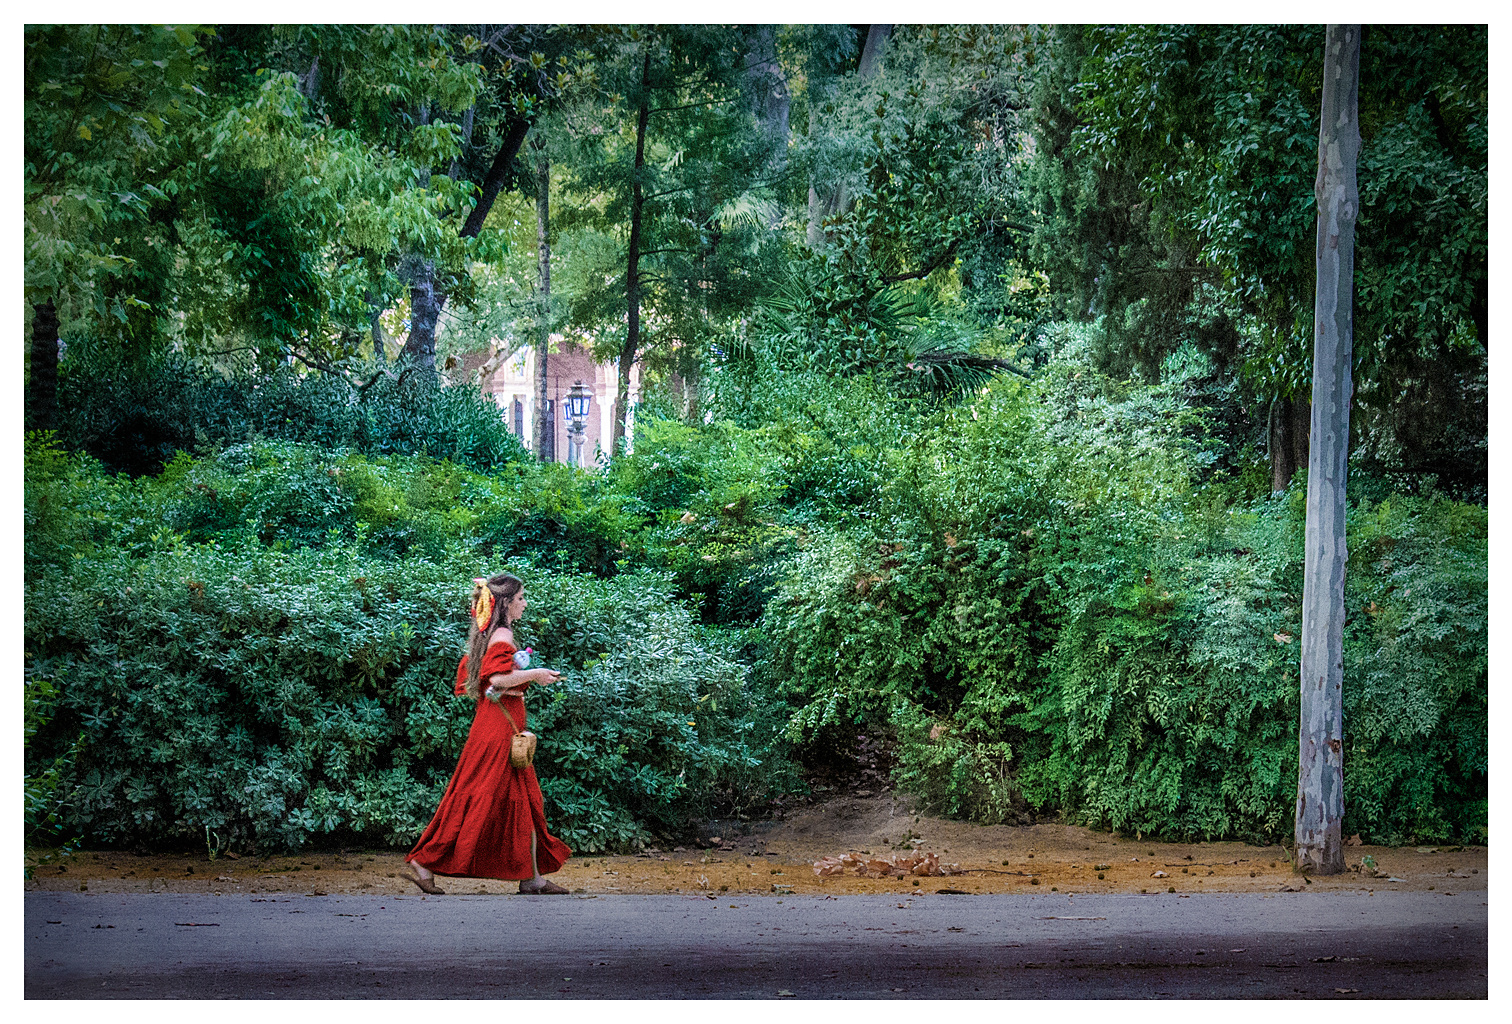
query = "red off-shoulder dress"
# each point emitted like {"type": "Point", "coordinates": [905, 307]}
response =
{"type": "Point", "coordinates": [482, 828]}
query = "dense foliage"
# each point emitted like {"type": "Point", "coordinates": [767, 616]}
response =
{"type": "Point", "coordinates": [243, 648]}
{"type": "Point", "coordinates": [1060, 606]}
{"type": "Point", "coordinates": [135, 416]}
{"type": "Point", "coordinates": [974, 368]}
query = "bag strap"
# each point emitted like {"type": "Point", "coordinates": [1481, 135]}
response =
{"type": "Point", "coordinates": [507, 715]}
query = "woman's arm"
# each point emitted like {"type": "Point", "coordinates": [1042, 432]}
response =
{"type": "Point", "coordinates": [525, 676]}
{"type": "Point", "coordinates": [519, 679]}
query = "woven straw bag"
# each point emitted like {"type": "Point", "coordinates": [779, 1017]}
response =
{"type": "Point", "coordinates": [522, 745]}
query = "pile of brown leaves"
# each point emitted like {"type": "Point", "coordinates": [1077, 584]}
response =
{"type": "Point", "coordinates": [896, 866]}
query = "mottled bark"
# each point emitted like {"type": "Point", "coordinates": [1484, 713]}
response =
{"type": "Point", "coordinates": [541, 429]}
{"type": "Point", "coordinates": [819, 209]}
{"type": "Point", "coordinates": [1320, 777]}
{"type": "Point", "coordinates": [871, 53]}
{"type": "Point", "coordinates": [426, 303]}
{"type": "Point", "coordinates": [632, 265]}
{"type": "Point", "coordinates": [309, 82]}
{"type": "Point", "coordinates": [42, 383]}
{"type": "Point", "coordinates": [375, 324]}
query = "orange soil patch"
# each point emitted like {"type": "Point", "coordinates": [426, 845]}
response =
{"type": "Point", "coordinates": [776, 857]}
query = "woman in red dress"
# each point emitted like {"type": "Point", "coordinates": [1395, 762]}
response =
{"type": "Point", "coordinates": [491, 822]}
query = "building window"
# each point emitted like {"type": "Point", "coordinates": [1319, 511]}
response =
{"type": "Point", "coordinates": [519, 419]}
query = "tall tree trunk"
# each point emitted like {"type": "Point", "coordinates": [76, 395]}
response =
{"type": "Point", "coordinates": [375, 324]}
{"type": "Point", "coordinates": [1320, 777]}
{"type": "Point", "coordinates": [42, 385]}
{"type": "Point", "coordinates": [632, 264]}
{"type": "Point", "coordinates": [771, 101]}
{"type": "Point", "coordinates": [1291, 419]}
{"type": "Point", "coordinates": [871, 53]}
{"type": "Point", "coordinates": [426, 303]}
{"type": "Point", "coordinates": [426, 300]}
{"type": "Point", "coordinates": [493, 182]}
{"type": "Point", "coordinates": [826, 199]}
{"type": "Point", "coordinates": [540, 430]}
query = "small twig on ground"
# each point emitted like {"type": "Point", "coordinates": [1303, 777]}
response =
{"type": "Point", "coordinates": [995, 871]}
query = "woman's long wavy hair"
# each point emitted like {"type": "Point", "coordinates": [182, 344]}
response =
{"type": "Point", "coordinates": [504, 588]}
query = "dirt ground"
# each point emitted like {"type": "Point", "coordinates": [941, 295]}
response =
{"type": "Point", "coordinates": [776, 858]}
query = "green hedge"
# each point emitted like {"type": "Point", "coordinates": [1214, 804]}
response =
{"type": "Point", "coordinates": [249, 674]}
{"type": "Point", "coordinates": [1060, 606]}
{"type": "Point", "coordinates": [135, 417]}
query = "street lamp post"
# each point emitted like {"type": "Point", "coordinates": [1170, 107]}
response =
{"type": "Point", "coordinates": [578, 401]}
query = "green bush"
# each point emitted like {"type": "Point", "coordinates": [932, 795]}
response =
{"type": "Point", "coordinates": [135, 417]}
{"type": "Point", "coordinates": [1058, 576]}
{"type": "Point", "coordinates": [709, 503]}
{"type": "Point", "coordinates": [45, 797]}
{"type": "Point", "coordinates": [959, 777]}
{"type": "Point", "coordinates": [289, 494]}
{"type": "Point", "coordinates": [1174, 706]}
{"type": "Point", "coordinates": [277, 691]}
{"type": "Point", "coordinates": [655, 722]}
{"type": "Point", "coordinates": [1062, 597]}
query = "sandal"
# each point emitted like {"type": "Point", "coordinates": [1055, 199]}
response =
{"type": "Point", "coordinates": [544, 889]}
{"type": "Point", "coordinates": [427, 885]}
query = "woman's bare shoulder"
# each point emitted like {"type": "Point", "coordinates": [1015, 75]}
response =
{"type": "Point", "coordinates": [502, 635]}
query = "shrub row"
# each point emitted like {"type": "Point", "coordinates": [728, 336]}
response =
{"type": "Point", "coordinates": [1059, 605]}
{"type": "Point", "coordinates": [135, 417]}
{"type": "Point", "coordinates": [213, 661]}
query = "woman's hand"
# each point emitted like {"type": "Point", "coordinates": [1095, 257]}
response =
{"type": "Point", "coordinates": [541, 676]}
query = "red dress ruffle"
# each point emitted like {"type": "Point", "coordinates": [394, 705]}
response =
{"type": "Point", "coordinates": [483, 826]}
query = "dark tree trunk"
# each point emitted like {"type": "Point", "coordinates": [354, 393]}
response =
{"type": "Point", "coordinates": [770, 99]}
{"type": "Point", "coordinates": [826, 199]}
{"type": "Point", "coordinates": [426, 300]}
{"type": "Point", "coordinates": [1320, 775]}
{"type": "Point", "coordinates": [375, 326]}
{"type": "Point", "coordinates": [426, 303]}
{"type": "Point", "coordinates": [1290, 422]}
{"type": "Point", "coordinates": [309, 82]}
{"type": "Point", "coordinates": [632, 265]}
{"type": "Point", "coordinates": [493, 182]}
{"type": "Point", "coordinates": [541, 429]}
{"type": "Point", "coordinates": [42, 385]}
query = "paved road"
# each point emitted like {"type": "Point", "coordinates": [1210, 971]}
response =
{"type": "Point", "coordinates": [1307, 945]}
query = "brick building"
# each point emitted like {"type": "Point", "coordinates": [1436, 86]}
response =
{"type": "Point", "coordinates": [512, 387]}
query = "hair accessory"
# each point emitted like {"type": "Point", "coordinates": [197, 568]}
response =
{"type": "Point", "coordinates": [483, 605]}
